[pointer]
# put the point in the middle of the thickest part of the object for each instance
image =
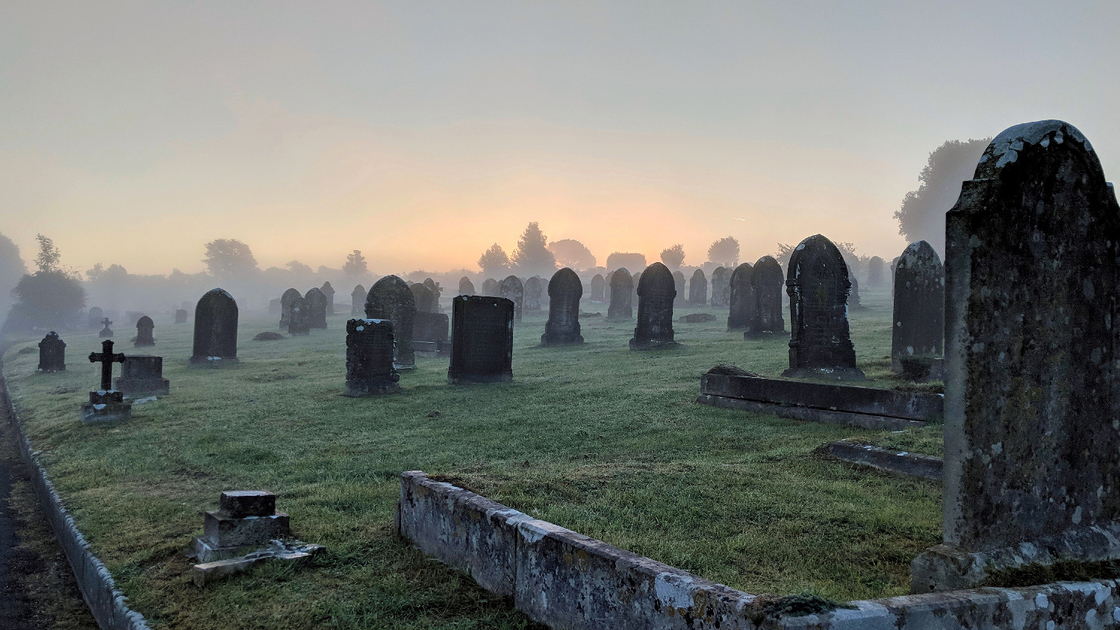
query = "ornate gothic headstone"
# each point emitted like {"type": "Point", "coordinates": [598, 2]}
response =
{"type": "Point", "coordinates": [482, 340]}
{"type": "Point", "coordinates": [328, 291]}
{"type": "Point", "coordinates": [369, 358]}
{"type": "Point", "coordinates": [622, 289]}
{"type": "Point", "coordinates": [299, 316]}
{"type": "Point", "coordinates": [390, 298]}
{"type": "Point", "coordinates": [721, 286]}
{"type": "Point", "coordinates": [106, 332]}
{"type": "Point", "coordinates": [741, 300]}
{"type": "Point", "coordinates": [533, 292]}
{"type": "Point", "coordinates": [215, 329]}
{"type": "Point", "coordinates": [466, 287]}
{"type": "Point", "coordinates": [512, 290]}
{"type": "Point", "coordinates": [564, 292]}
{"type": "Point", "coordinates": [820, 344]}
{"type": "Point", "coordinates": [106, 404]}
{"type": "Point", "coordinates": [598, 289]}
{"type": "Point", "coordinates": [768, 282]}
{"type": "Point", "coordinates": [656, 291]}
{"type": "Point", "coordinates": [358, 301]}
{"type": "Point", "coordinates": [286, 301]}
{"type": "Point", "coordinates": [52, 353]}
{"type": "Point", "coordinates": [316, 308]}
{"type": "Point", "coordinates": [919, 304]}
{"type": "Point", "coordinates": [142, 376]}
{"type": "Point", "coordinates": [698, 289]}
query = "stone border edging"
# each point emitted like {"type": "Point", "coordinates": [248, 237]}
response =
{"type": "Point", "coordinates": [897, 462]}
{"type": "Point", "coordinates": [104, 599]}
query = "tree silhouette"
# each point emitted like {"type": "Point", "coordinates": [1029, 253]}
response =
{"type": "Point", "coordinates": [355, 264]}
{"type": "Point", "coordinates": [724, 252]}
{"type": "Point", "coordinates": [48, 298]}
{"type": "Point", "coordinates": [48, 257]}
{"type": "Point", "coordinates": [922, 215]}
{"type": "Point", "coordinates": [673, 257]}
{"type": "Point", "coordinates": [572, 253]}
{"type": "Point", "coordinates": [532, 255]}
{"type": "Point", "coordinates": [229, 258]}
{"type": "Point", "coordinates": [629, 260]}
{"type": "Point", "coordinates": [493, 260]}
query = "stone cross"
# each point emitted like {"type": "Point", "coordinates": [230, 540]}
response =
{"type": "Point", "coordinates": [106, 358]}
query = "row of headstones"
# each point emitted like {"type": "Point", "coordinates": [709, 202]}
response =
{"type": "Point", "coordinates": [300, 313]}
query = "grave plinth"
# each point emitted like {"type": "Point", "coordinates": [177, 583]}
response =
{"type": "Point", "coordinates": [142, 375]}
{"type": "Point", "coordinates": [245, 521]}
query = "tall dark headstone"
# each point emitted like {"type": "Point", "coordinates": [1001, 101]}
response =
{"type": "Point", "coordinates": [598, 289]}
{"type": "Point", "coordinates": [622, 290]}
{"type": "Point", "coordinates": [358, 301]}
{"type": "Point", "coordinates": [919, 304]}
{"type": "Point", "coordinates": [721, 287]}
{"type": "Point", "coordinates": [144, 328]}
{"type": "Point", "coordinates": [1032, 393]}
{"type": "Point", "coordinates": [768, 282]}
{"type": "Point", "coordinates": [390, 298]}
{"type": "Point", "coordinates": [316, 308]}
{"type": "Point", "coordinates": [106, 404]}
{"type": "Point", "coordinates": [299, 316]}
{"type": "Point", "coordinates": [678, 284]}
{"type": "Point", "coordinates": [466, 287]}
{"type": "Point", "coordinates": [215, 329]}
{"type": "Point", "coordinates": [481, 340]}
{"type": "Point", "coordinates": [656, 291]}
{"type": "Point", "coordinates": [274, 307]}
{"type": "Point", "coordinates": [369, 358]}
{"type": "Point", "coordinates": [533, 292]}
{"type": "Point", "coordinates": [698, 289]}
{"type": "Point", "coordinates": [564, 292]}
{"type": "Point", "coordinates": [181, 316]}
{"type": "Point", "coordinates": [512, 290]}
{"type": "Point", "coordinates": [634, 283]}
{"type": "Point", "coordinates": [853, 295]}
{"type": "Point", "coordinates": [436, 290]}
{"type": "Point", "coordinates": [142, 376]}
{"type": "Point", "coordinates": [424, 298]}
{"type": "Point", "coordinates": [106, 332]}
{"type": "Point", "coordinates": [52, 353]}
{"type": "Point", "coordinates": [328, 291]}
{"type": "Point", "coordinates": [286, 301]}
{"type": "Point", "coordinates": [741, 300]}
{"type": "Point", "coordinates": [95, 317]}
{"type": "Point", "coordinates": [820, 344]}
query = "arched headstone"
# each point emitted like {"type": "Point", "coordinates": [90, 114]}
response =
{"type": "Point", "coordinates": [741, 300]}
{"type": "Point", "coordinates": [564, 292]}
{"type": "Point", "coordinates": [328, 291]}
{"type": "Point", "coordinates": [95, 317]}
{"type": "Point", "coordinates": [466, 287]}
{"type": "Point", "coordinates": [390, 298]}
{"type": "Point", "coordinates": [853, 296]}
{"type": "Point", "coordinates": [436, 290]}
{"type": "Point", "coordinates": [656, 291]}
{"type": "Point", "coordinates": [52, 353]}
{"type": "Point", "coordinates": [875, 268]}
{"type": "Point", "coordinates": [533, 294]}
{"type": "Point", "coordinates": [286, 306]}
{"type": "Point", "coordinates": [490, 287]}
{"type": "Point", "coordinates": [721, 287]}
{"type": "Point", "coordinates": [820, 343]}
{"type": "Point", "coordinates": [622, 289]}
{"type": "Point", "coordinates": [215, 329]}
{"type": "Point", "coordinates": [698, 289]}
{"type": "Point", "coordinates": [598, 289]}
{"type": "Point", "coordinates": [144, 327]}
{"type": "Point", "coordinates": [316, 308]}
{"type": "Point", "coordinates": [678, 284]}
{"type": "Point", "coordinates": [768, 282]}
{"type": "Point", "coordinates": [425, 299]}
{"type": "Point", "coordinates": [919, 304]}
{"type": "Point", "coordinates": [512, 290]}
{"type": "Point", "coordinates": [358, 301]}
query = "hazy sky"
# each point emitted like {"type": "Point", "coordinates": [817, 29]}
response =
{"type": "Point", "coordinates": [421, 133]}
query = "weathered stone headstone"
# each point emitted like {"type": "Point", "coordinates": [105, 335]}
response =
{"type": "Point", "coordinates": [1032, 445]}
{"type": "Point", "coordinates": [820, 344]}
{"type": "Point", "coordinates": [919, 304]}
{"type": "Point", "coordinates": [95, 316]}
{"type": "Point", "coordinates": [436, 290]}
{"type": "Point", "coordinates": [142, 376]}
{"type": "Point", "coordinates": [622, 290]}
{"type": "Point", "coordinates": [656, 291]}
{"type": "Point", "coordinates": [512, 290]}
{"type": "Point", "coordinates": [316, 308]}
{"type": "Point", "coordinates": [358, 301]}
{"type": "Point", "coordinates": [106, 332]}
{"type": "Point", "coordinates": [466, 287]}
{"type": "Point", "coordinates": [299, 316]}
{"type": "Point", "coordinates": [286, 301]}
{"type": "Point", "coordinates": [698, 289]}
{"type": "Point", "coordinates": [430, 333]}
{"type": "Point", "coordinates": [106, 404]}
{"type": "Point", "coordinates": [369, 358]}
{"type": "Point", "coordinates": [598, 288]}
{"type": "Point", "coordinates": [52, 353]}
{"type": "Point", "coordinates": [533, 292]}
{"type": "Point", "coordinates": [328, 291]}
{"type": "Point", "coordinates": [482, 340]}
{"type": "Point", "coordinates": [424, 298]}
{"type": "Point", "coordinates": [721, 287]}
{"type": "Point", "coordinates": [741, 301]}
{"type": "Point", "coordinates": [678, 284]}
{"type": "Point", "coordinates": [215, 329]}
{"type": "Point", "coordinates": [875, 272]}
{"type": "Point", "coordinates": [181, 316]}
{"type": "Point", "coordinates": [564, 292]}
{"type": "Point", "coordinates": [144, 328]}
{"type": "Point", "coordinates": [490, 287]}
{"type": "Point", "coordinates": [634, 283]}
{"type": "Point", "coordinates": [390, 298]}
{"type": "Point", "coordinates": [853, 295]}
{"type": "Point", "coordinates": [768, 282]}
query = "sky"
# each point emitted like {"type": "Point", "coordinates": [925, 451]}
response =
{"type": "Point", "coordinates": [421, 133]}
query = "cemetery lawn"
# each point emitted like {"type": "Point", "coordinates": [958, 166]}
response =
{"type": "Point", "coordinates": [604, 441]}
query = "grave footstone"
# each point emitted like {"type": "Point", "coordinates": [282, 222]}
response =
{"type": "Point", "coordinates": [698, 289]}
{"type": "Point", "coordinates": [490, 287]}
{"type": "Point", "coordinates": [656, 291]}
{"type": "Point", "coordinates": [299, 316]}
{"type": "Point", "coordinates": [481, 340]}
{"type": "Point", "coordinates": [919, 304]}
{"type": "Point", "coordinates": [1032, 440]}
{"type": "Point", "coordinates": [95, 316]}
{"type": "Point", "coordinates": [358, 301]}
{"type": "Point", "coordinates": [215, 329]}
{"type": "Point", "coordinates": [316, 308]}
{"type": "Point", "coordinates": [564, 292]}
{"type": "Point", "coordinates": [598, 288]}
{"type": "Point", "coordinates": [142, 375]}
{"type": "Point", "coordinates": [721, 287]}
{"type": "Point", "coordinates": [390, 298]}
{"type": "Point", "coordinates": [424, 298]}
{"type": "Point", "coordinates": [328, 291]}
{"type": "Point", "coordinates": [466, 287]}
{"type": "Point", "coordinates": [286, 301]}
{"type": "Point", "coordinates": [106, 404]}
{"type": "Point", "coordinates": [181, 316]}
{"type": "Point", "coordinates": [768, 283]}
{"type": "Point", "coordinates": [622, 290]}
{"type": "Point", "coordinates": [741, 300]}
{"type": "Point", "coordinates": [52, 353]}
{"type": "Point", "coordinates": [144, 328]}
{"type": "Point", "coordinates": [106, 331]}
{"type": "Point", "coordinates": [533, 294]}
{"type": "Point", "coordinates": [369, 358]}
{"type": "Point", "coordinates": [512, 290]}
{"type": "Point", "coordinates": [820, 344]}
{"type": "Point", "coordinates": [678, 284]}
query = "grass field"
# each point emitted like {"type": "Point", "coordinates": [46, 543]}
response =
{"type": "Point", "coordinates": [598, 439]}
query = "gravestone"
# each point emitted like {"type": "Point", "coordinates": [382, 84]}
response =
{"type": "Point", "coordinates": [466, 287]}
{"type": "Point", "coordinates": [390, 298]}
{"type": "Point", "coordinates": [490, 287]}
{"type": "Point", "coordinates": [133, 317]}
{"type": "Point", "coordinates": [95, 316]}
{"type": "Point", "coordinates": [369, 358]}
{"type": "Point", "coordinates": [622, 290]}
{"type": "Point", "coordinates": [106, 404]}
{"type": "Point", "coordinates": [1032, 437]}
{"type": "Point", "coordinates": [564, 292]}
{"type": "Point", "coordinates": [144, 328]}
{"type": "Point", "coordinates": [246, 521]}
{"type": "Point", "coordinates": [299, 316]}
{"type": "Point", "coordinates": [721, 287]}
{"type": "Point", "coordinates": [512, 290]}
{"type": "Point", "coordinates": [820, 344]}
{"type": "Point", "coordinates": [106, 332]}
{"type": "Point", "coordinates": [598, 288]}
{"type": "Point", "coordinates": [316, 308]}
{"type": "Point", "coordinates": [215, 329]}
{"type": "Point", "coordinates": [533, 294]}
{"type": "Point", "coordinates": [436, 290]}
{"type": "Point", "coordinates": [634, 294]}
{"type": "Point", "coordinates": [181, 316]}
{"type": "Point", "coordinates": [875, 274]}
{"type": "Point", "coordinates": [286, 301]}
{"type": "Point", "coordinates": [358, 301]}
{"type": "Point", "coordinates": [429, 333]}
{"type": "Point", "coordinates": [853, 295]}
{"type": "Point", "coordinates": [52, 353]}
{"type": "Point", "coordinates": [656, 291]}
{"type": "Point", "coordinates": [328, 291]}
{"type": "Point", "coordinates": [142, 376]}
{"type": "Point", "coordinates": [698, 289]}
{"type": "Point", "coordinates": [741, 300]}
{"type": "Point", "coordinates": [768, 283]}
{"type": "Point", "coordinates": [481, 340]}
{"type": "Point", "coordinates": [678, 284]}
{"type": "Point", "coordinates": [424, 298]}
{"type": "Point", "coordinates": [919, 304]}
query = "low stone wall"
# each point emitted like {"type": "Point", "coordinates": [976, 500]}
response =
{"type": "Point", "coordinates": [105, 601]}
{"type": "Point", "coordinates": [567, 580]}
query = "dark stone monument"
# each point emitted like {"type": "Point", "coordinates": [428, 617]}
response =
{"type": "Point", "coordinates": [853, 296]}
{"type": "Point", "coordinates": [358, 301]}
{"type": "Point", "coordinates": [466, 287]}
{"type": "Point", "coordinates": [106, 404]}
{"type": "Point", "coordinates": [656, 291]}
{"type": "Point", "coordinates": [144, 328]}
{"type": "Point", "coordinates": [533, 292]}
{"type": "Point", "coordinates": [741, 300]}
{"type": "Point", "coordinates": [564, 292]}
{"type": "Point", "coordinates": [181, 316]}
{"type": "Point", "coordinates": [1032, 412]}
{"type": "Point", "coordinates": [512, 290]}
{"type": "Point", "coordinates": [390, 298]}
{"type": "Point", "coordinates": [316, 308]}
{"type": "Point", "coordinates": [768, 282]}
{"type": "Point", "coordinates": [820, 345]}
{"type": "Point", "coordinates": [634, 293]}
{"type": "Point", "coordinates": [678, 284]}
{"type": "Point", "coordinates": [369, 358]}
{"type": "Point", "coordinates": [875, 272]}
{"type": "Point", "coordinates": [429, 333]}
{"type": "Point", "coordinates": [919, 304]}
{"type": "Point", "coordinates": [142, 376]}
{"type": "Point", "coordinates": [299, 316]}
{"type": "Point", "coordinates": [95, 317]}
{"type": "Point", "coordinates": [622, 290]}
{"type": "Point", "coordinates": [698, 289]}
{"type": "Point", "coordinates": [328, 291]}
{"type": "Point", "coordinates": [490, 287]}
{"type": "Point", "coordinates": [286, 301]}
{"type": "Point", "coordinates": [481, 340]}
{"type": "Point", "coordinates": [436, 290]}
{"type": "Point", "coordinates": [52, 353]}
{"type": "Point", "coordinates": [106, 332]}
{"type": "Point", "coordinates": [424, 298]}
{"type": "Point", "coordinates": [598, 289]}
{"type": "Point", "coordinates": [721, 287]}
{"type": "Point", "coordinates": [215, 329]}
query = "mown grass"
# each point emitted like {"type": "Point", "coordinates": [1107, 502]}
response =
{"type": "Point", "coordinates": [607, 442]}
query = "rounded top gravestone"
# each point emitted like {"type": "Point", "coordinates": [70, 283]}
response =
{"type": "Point", "coordinates": [425, 299]}
{"type": "Point", "coordinates": [678, 284]}
{"type": "Point", "coordinates": [698, 289]}
{"type": "Point", "coordinates": [490, 287]}
{"type": "Point", "coordinates": [316, 308]}
{"type": "Point", "coordinates": [358, 301]}
{"type": "Point", "coordinates": [656, 291]}
{"type": "Point", "coordinates": [512, 290]}
{"type": "Point", "coordinates": [721, 286]}
{"type": "Point", "coordinates": [466, 287]}
{"type": "Point", "coordinates": [391, 298]}
{"type": "Point", "coordinates": [533, 294]}
{"type": "Point", "coordinates": [622, 289]}
{"type": "Point", "coordinates": [52, 353]}
{"type": "Point", "coordinates": [768, 283]}
{"type": "Point", "coordinates": [437, 291]}
{"type": "Point", "coordinates": [598, 288]}
{"type": "Point", "coordinates": [144, 327]}
{"type": "Point", "coordinates": [919, 304]}
{"type": "Point", "coordinates": [741, 300]}
{"type": "Point", "coordinates": [328, 291]}
{"type": "Point", "coordinates": [215, 329]}
{"type": "Point", "coordinates": [299, 316]}
{"type": "Point", "coordinates": [286, 306]}
{"type": "Point", "coordinates": [95, 317]}
{"type": "Point", "coordinates": [564, 292]}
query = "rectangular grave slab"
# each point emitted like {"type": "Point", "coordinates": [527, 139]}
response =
{"type": "Point", "coordinates": [142, 376]}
